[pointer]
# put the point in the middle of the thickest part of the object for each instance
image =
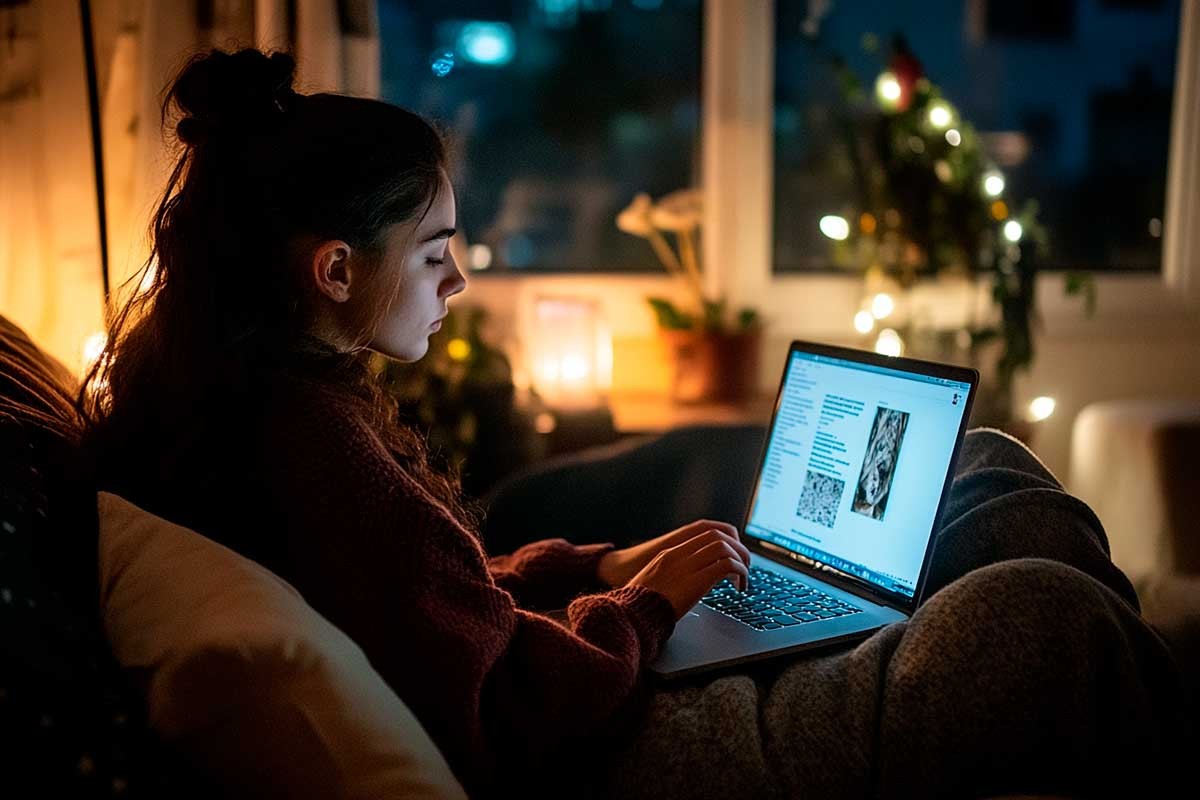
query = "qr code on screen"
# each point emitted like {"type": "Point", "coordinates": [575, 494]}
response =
{"type": "Point", "coordinates": [820, 497]}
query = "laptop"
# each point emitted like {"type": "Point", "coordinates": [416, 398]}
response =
{"type": "Point", "coordinates": [853, 476]}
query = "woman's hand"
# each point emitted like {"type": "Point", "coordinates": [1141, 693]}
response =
{"type": "Point", "coordinates": [617, 567]}
{"type": "Point", "coordinates": [685, 572]}
{"type": "Point", "coordinates": [682, 565]}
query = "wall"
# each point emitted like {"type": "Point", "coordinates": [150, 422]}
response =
{"type": "Point", "coordinates": [1119, 353]}
{"type": "Point", "coordinates": [1160, 360]}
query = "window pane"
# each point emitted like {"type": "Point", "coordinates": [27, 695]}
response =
{"type": "Point", "coordinates": [1070, 99]}
{"type": "Point", "coordinates": [559, 112]}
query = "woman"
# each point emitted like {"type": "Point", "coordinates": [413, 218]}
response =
{"type": "Point", "coordinates": [299, 232]}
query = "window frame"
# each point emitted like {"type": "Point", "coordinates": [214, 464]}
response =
{"type": "Point", "coordinates": [737, 169]}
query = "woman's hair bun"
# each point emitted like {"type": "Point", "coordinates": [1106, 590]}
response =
{"type": "Point", "coordinates": [221, 94]}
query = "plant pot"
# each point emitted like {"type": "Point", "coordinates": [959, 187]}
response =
{"type": "Point", "coordinates": [712, 366]}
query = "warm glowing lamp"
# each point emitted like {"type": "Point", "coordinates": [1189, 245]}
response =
{"type": "Point", "coordinates": [93, 348]}
{"type": "Point", "coordinates": [570, 352]}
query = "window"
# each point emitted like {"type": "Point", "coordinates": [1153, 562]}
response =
{"type": "Point", "coordinates": [557, 112]}
{"type": "Point", "coordinates": [1071, 99]}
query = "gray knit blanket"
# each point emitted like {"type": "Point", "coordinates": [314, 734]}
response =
{"type": "Point", "coordinates": [1026, 670]}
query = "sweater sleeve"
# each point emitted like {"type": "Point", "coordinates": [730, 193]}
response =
{"type": "Point", "coordinates": [372, 551]}
{"type": "Point", "coordinates": [547, 574]}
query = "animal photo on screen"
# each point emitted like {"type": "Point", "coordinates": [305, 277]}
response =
{"type": "Point", "coordinates": [879, 462]}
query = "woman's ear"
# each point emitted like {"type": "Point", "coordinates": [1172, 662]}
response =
{"type": "Point", "coordinates": [331, 270]}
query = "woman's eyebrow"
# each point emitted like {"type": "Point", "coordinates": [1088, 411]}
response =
{"type": "Point", "coordinates": [444, 233]}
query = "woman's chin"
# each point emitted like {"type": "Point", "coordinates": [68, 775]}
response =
{"type": "Point", "coordinates": [408, 352]}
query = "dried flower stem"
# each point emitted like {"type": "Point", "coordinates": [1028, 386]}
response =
{"type": "Point", "coordinates": [667, 256]}
{"type": "Point", "coordinates": [688, 250]}
{"type": "Point", "coordinates": [664, 251]}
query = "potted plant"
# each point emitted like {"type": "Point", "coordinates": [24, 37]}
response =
{"type": "Point", "coordinates": [714, 352]}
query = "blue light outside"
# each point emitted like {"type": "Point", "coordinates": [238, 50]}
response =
{"type": "Point", "coordinates": [557, 13]}
{"type": "Point", "coordinates": [519, 251]}
{"type": "Point", "coordinates": [441, 63]}
{"type": "Point", "coordinates": [490, 44]}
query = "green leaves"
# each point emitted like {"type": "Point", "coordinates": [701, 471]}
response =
{"type": "Point", "coordinates": [1082, 283]}
{"type": "Point", "coordinates": [714, 314]}
{"type": "Point", "coordinates": [668, 315]}
{"type": "Point", "coordinates": [747, 318]}
{"type": "Point", "coordinates": [981, 336]}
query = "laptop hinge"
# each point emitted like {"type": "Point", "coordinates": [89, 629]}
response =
{"type": "Point", "coordinates": [828, 574]}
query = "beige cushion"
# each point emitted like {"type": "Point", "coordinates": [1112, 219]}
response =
{"type": "Point", "coordinates": [1120, 467]}
{"type": "Point", "coordinates": [247, 679]}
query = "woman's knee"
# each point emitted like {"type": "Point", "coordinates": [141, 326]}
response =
{"type": "Point", "coordinates": [1032, 663]}
{"type": "Point", "coordinates": [990, 447]}
{"type": "Point", "coordinates": [1017, 621]}
{"type": "Point", "coordinates": [984, 435]}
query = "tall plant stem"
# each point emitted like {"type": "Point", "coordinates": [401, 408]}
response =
{"type": "Point", "coordinates": [687, 249]}
{"type": "Point", "coordinates": [667, 256]}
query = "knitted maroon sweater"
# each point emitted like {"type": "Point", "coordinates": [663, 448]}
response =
{"type": "Point", "coordinates": [497, 686]}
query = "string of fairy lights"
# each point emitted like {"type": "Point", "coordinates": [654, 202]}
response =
{"type": "Point", "coordinates": [878, 307]}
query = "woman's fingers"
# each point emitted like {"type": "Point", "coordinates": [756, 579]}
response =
{"type": "Point", "coordinates": [714, 551]}
{"type": "Point", "coordinates": [686, 572]}
{"type": "Point", "coordinates": [721, 552]}
{"type": "Point", "coordinates": [715, 535]}
{"type": "Point", "coordinates": [702, 525]}
{"type": "Point", "coordinates": [720, 569]}
{"type": "Point", "coordinates": [742, 551]}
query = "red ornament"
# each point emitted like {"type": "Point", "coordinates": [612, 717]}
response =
{"type": "Point", "coordinates": [907, 69]}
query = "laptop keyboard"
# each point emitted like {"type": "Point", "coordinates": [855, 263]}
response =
{"type": "Point", "coordinates": [772, 601]}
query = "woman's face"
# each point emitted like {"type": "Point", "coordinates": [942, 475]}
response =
{"type": "Point", "coordinates": [421, 262]}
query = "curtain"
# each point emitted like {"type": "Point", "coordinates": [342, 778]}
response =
{"type": "Point", "coordinates": [50, 267]}
{"type": "Point", "coordinates": [50, 281]}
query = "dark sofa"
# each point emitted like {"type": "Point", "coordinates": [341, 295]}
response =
{"type": "Point", "coordinates": [71, 724]}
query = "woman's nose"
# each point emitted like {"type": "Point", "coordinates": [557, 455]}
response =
{"type": "Point", "coordinates": [454, 284]}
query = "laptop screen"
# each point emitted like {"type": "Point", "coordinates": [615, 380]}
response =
{"type": "Point", "coordinates": [855, 466]}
